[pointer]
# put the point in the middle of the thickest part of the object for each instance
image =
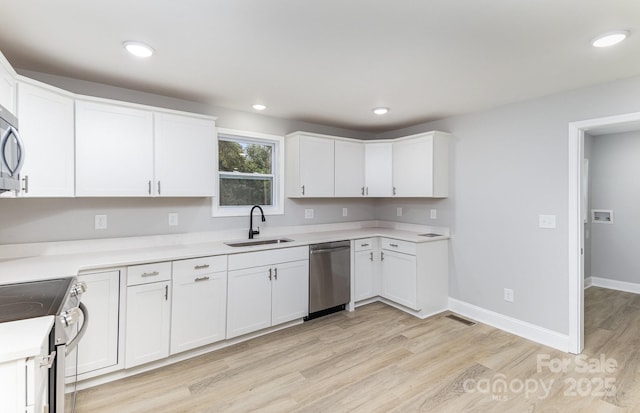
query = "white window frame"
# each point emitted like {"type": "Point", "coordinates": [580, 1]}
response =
{"type": "Point", "coordinates": [277, 172]}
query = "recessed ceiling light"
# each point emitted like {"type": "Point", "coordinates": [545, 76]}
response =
{"type": "Point", "coordinates": [258, 106]}
{"type": "Point", "coordinates": [610, 38]}
{"type": "Point", "coordinates": [138, 49]}
{"type": "Point", "coordinates": [380, 111]}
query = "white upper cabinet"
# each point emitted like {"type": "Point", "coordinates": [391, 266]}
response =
{"type": "Point", "coordinates": [8, 85]}
{"type": "Point", "coordinates": [309, 165]}
{"type": "Point", "coordinates": [378, 169]}
{"type": "Point", "coordinates": [47, 127]}
{"type": "Point", "coordinates": [420, 166]}
{"type": "Point", "coordinates": [349, 168]}
{"type": "Point", "coordinates": [114, 150]}
{"type": "Point", "coordinates": [185, 150]}
{"type": "Point", "coordinates": [123, 150]}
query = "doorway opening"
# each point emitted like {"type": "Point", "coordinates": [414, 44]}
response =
{"type": "Point", "coordinates": [577, 205]}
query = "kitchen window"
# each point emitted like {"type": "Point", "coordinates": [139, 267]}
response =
{"type": "Point", "coordinates": [250, 172]}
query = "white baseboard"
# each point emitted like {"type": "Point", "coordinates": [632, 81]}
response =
{"type": "Point", "coordinates": [511, 325]}
{"type": "Point", "coordinates": [588, 282]}
{"type": "Point", "coordinates": [614, 284]}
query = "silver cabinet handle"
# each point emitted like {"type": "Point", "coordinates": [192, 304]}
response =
{"type": "Point", "coordinates": [270, 274]}
{"type": "Point", "coordinates": [371, 256]}
{"type": "Point", "coordinates": [363, 191]}
{"type": "Point", "coordinates": [381, 255]}
{"type": "Point", "coordinates": [202, 279]}
{"type": "Point", "coordinates": [364, 245]}
{"type": "Point", "coordinates": [159, 191]}
{"type": "Point", "coordinates": [276, 273]}
{"type": "Point", "coordinates": [26, 184]}
{"type": "Point", "coordinates": [367, 191]}
{"type": "Point", "coordinates": [393, 245]}
{"type": "Point", "coordinates": [201, 267]}
{"type": "Point", "coordinates": [166, 293]}
{"type": "Point", "coordinates": [149, 274]}
{"type": "Point", "coordinates": [47, 361]}
{"type": "Point", "coordinates": [149, 187]}
{"type": "Point", "coordinates": [394, 190]}
{"type": "Point", "coordinates": [302, 189]}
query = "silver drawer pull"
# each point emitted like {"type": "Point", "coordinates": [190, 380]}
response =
{"type": "Point", "coordinates": [47, 361]}
{"type": "Point", "coordinates": [364, 245]}
{"type": "Point", "coordinates": [149, 274]}
{"type": "Point", "coordinates": [201, 279]}
{"type": "Point", "coordinates": [201, 267]}
{"type": "Point", "coordinates": [393, 245]}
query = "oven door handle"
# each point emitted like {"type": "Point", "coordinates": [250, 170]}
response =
{"type": "Point", "coordinates": [73, 343]}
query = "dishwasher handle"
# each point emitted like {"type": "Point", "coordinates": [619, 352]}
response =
{"type": "Point", "coordinates": [327, 250]}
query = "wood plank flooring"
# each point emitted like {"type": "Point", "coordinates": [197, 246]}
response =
{"type": "Point", "coordinates": [379, 359]}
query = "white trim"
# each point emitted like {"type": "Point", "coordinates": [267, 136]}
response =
{"type": "Point", "coordinates": [278, 173]}
{"type": "Point", "coordinates": [575, 222]}
{"type": "Point", "coordinates": [588, 282]}
{"type": "Point", "coordinates": [511, 325]}
{"type": "Point", "coordinates": [615, 285]}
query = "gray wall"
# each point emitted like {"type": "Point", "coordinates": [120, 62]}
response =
{"type": "Point", "coordinates": [615, 185]}
{"type": "Point", "coordinates": [588, 151]}
{"type": "Point", "coordinates": [509, 165]}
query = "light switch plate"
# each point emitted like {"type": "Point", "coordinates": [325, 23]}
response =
{"type": "Point", "coordinates": [345, 212]}
{"type": "Point", "coordinates": [173, 219]}
{"type": "Point", "coordinates": [547, 221]}
{"type": "Point", "coordinates": [308, 214]}
{"type": "Point", "coordinates": [399, 212]}
{"type": "Point", "coordinates": [433, 214]}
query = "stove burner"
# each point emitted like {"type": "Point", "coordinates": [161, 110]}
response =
{"type": "Point", "coordinates": [21, 310]}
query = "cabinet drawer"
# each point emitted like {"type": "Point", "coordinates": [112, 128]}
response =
{"type": "Point", "coordinates": [404, 247]}
{"type": "Point", "coordinates": [196, 266]}
{"type": "Point", "coordinates": [364, 244]}
{"type": "Point", "coordinates": [268, 257]}
{"type": "Point", "coordinates": [148, 273]}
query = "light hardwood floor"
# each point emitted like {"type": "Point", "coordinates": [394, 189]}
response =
{"type": "Point", "coordinates": [379, 359]}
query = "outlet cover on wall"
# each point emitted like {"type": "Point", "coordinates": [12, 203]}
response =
{"type": "Point", "coordinates": [399, 212]}
{"type": "Point", "coordinates": [345, 212]}
{"type": "Point", "coordinates": [508, 295]}
{"type": "Point", "coordinates": [547, 221]}
{"type": "Point", "coordinates": [100, 222]}
{"type": "Point", "coordinates": [173, 219]}
{"type": "Point", "coordinates": [308, 214]}
{"type": "Point", "coordinates": [433, 213]}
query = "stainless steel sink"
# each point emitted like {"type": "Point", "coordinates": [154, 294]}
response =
{"type": "Point", "coordinates": [258, 242]}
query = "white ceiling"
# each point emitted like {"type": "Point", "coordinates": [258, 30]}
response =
{"type": "Point", "coordinates": [330, 61]}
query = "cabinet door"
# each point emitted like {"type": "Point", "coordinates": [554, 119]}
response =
{"type": "Point", "coordinates": [7, 87]}
{"type": "Point", "coordinates": [378, 169]}
{"type": "Point", "coordinates": [365, 268]}
{"type": "Point", "coordinates": [316, 166]}
{"type": "Point", "coordinates": [349, 169]}
{"type": "Point", "coordinates": [47, 128]}
{"type": "Point", "coordinates": [99, 345]}
{"type": "Point", "coordinates": [185, 156]}
{"type": "Point", "coordinates": [248, 301]}
{"type": "Point", "coordinates": [148, 318]}
{"type": "Point", "coordinates": [290, 291]}
{"type": "Point", "coordinates": [114, 150]}
{"type": "Point", "coordinates": [413, 167]}
{"type": "Point", "coordinates": [399, 278]}
{"type": "Point", "coordinates": [199, 310]}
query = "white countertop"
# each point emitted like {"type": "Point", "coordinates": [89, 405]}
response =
{"type": "Point", "coordinates": [22, 339]}
{"type": "Point", "coordinates": [43, 265]}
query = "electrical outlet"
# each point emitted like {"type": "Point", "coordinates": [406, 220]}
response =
{"type": "Point", "coordinates": [508, 295]}
{"type": "Point", "coordinates": [173, 219]}
{"type": "Point", "coordinates": [433, 214]}
{"type": "Point", "coordinates": [308, 214]}
{"type": "Point", "coordinates": [345, 212]}
{"type": "Point", "coordinates": [399, 212]}
{"type": "Point", "coordinates": [100, 222]}
{"type": "Point", "coordinates": [547, 221]}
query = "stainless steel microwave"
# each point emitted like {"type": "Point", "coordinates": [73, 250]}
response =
{"type": "Point", "coordinates": [11, 152]}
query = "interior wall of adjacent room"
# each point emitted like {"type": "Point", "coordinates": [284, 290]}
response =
{"type": "Point", "coordinates": [615, 186]}
{"type": "Point", "coordinates": [588, 145]}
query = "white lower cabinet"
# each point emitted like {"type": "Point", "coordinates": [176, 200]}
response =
{"type": "Point", "coordinates": [366, 266]}
{"type": "Point", "coordinates": [148, 314]}
{"type": "Point", "coordinates": [199, 302]}
{"type": "Point", "coordinates": [399, 278]}
{"type": "Point", "coordinates": [98, 348]}
{"type": "Point", "coordinates": [267, 288]}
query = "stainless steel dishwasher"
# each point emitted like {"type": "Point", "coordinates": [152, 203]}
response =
{"type": "Point", "coordinates": [329, 277]}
